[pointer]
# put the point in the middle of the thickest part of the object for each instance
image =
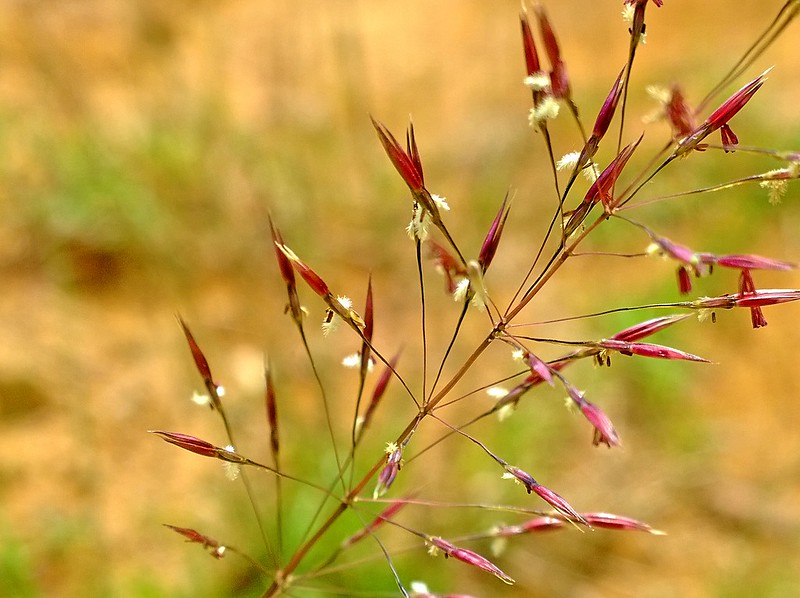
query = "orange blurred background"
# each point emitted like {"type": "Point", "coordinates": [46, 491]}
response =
{"type": "Point", "coordinates": [142, 146]}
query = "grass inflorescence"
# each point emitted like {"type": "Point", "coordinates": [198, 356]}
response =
{"type": "Point", "coordinates": [381, 440]}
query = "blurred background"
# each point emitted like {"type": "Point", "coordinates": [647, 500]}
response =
{"type": "Point", "coordinates": [142, 146]}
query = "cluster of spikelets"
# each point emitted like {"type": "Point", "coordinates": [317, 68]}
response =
{"type": "Point", "coordinates": [607, 198]}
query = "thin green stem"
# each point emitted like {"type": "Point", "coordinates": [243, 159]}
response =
{"type": "Point", "coordinates": [423, 322]}
{"type": "Point", "coordinates": [450, 345]}
{"type": "Point", "coordinates": [251, 497]}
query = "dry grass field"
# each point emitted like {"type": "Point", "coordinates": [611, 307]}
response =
{"type": "Point", "coordinates": [142, 146]}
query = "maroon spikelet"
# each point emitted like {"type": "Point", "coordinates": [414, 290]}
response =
{"type": "Point", "coordinates": [469, 557]}
{"type": "Point", "coordinates": [307, 274]}
{"type": "Point", "coordinates": [719, 118]}
{"type": "Point", "coordinates": [272, 412]}
{"type": "Point", "coordinates": [213, 547]}
{"type": "Point", "coordinates": [407, 163]}
{"type": "Point", "coordinates": [492, 240]}
{"type": "Point", "coordinates": [200, 360]}
{"type": "Point", "coordinates": [559, 80]}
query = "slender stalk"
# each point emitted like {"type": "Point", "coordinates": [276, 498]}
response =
{"type": "Point", "coordinates": [283, 575]}
{"type": "Point", "coordinates": [423, 322]}
{"type": "Point", "coordinates": [450, 345]}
